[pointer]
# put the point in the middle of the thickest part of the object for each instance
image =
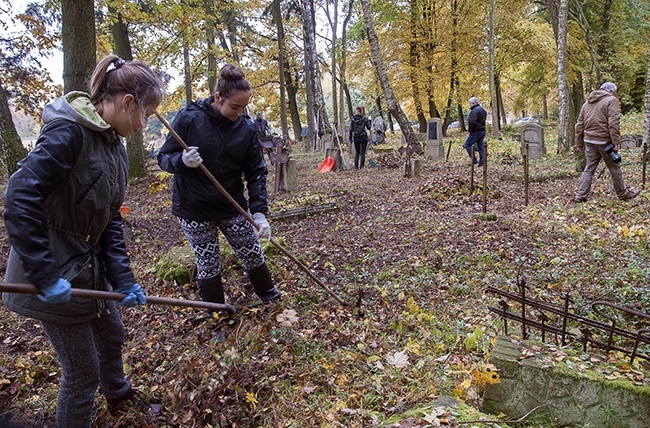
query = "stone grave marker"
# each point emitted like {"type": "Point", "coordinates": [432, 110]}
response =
{"type": "Point", "coordinates": [533, 135]}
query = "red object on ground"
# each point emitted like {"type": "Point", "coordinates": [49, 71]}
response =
{"type": "Point", "coordinates": [327, 165]}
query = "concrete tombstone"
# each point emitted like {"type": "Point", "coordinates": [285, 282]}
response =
{"type": "Point", "coordinates": [434, 148]}
{"type": "Point", "coordinates": [532, 135]}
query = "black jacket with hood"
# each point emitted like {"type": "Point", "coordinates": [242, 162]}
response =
{"type": "Point", "coordinates": [62, 212]}
{"type": "Point", "coordinates": [228, 149]}
{"type": "Point", "coordinates": [358, 127]}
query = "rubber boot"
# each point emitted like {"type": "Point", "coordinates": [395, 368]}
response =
{"type": "Point", "coordinates": [211, 289]}
{"type": "Point", "coordinates": [262, 283]}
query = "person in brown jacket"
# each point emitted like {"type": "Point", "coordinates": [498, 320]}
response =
{"type": "Point", "coordinates": [598, 135]}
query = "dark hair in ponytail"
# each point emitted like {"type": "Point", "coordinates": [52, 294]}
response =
{"type": "Point", "coordinates": [114, 76]}
{"type": "Point", "coordinates": [231, 78]}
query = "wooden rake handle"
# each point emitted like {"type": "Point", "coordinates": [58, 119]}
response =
{"type": "Point", "coordinates": [109, 295]}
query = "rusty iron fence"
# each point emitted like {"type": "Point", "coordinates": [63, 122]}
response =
{"type": "Point", "coordinates": [608, 326]}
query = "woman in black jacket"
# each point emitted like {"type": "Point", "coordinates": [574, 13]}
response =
{"type": "Point", "coordinates": [358, 126]}
{"type": "Point", "coordinates": [223, 139]}
{"type": "Point", "coordinates": [62, 215]}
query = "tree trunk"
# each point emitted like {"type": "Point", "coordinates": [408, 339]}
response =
{"type": "Point", "coordinates": [78, 41]}
{"type": "Point", "coordinates": [414, 63]}
{"type": "Point", "coordinates": [188, 76]}
{"type": "Point", "coordinates": [283, 103]}
{"type": "Point", "coordinates": [393, 106]}
{"type": "Point", "coordinates": [211, 45]}
{"type": "Point", "coordinates": [344, 96]}
{"type": "Point", "coordinates": [122, 46]}
{"type": "Point", "coordinates": [562, 135]}
{"type": "Point", "coordinates": [493, 93]}
{"type": "Point", "coordinates": [646, 121]}
{"type": "Point", "coordinates": [11, 147]}
{"type": "Point", "coordinates": [309, 46]}
{"type": "Point", "coordinates": [292, 91]}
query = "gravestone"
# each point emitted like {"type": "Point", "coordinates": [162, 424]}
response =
{"type": "Point", "coordinates": [434, 147]}
{"type": "Point", "coordinates": [532, 135]}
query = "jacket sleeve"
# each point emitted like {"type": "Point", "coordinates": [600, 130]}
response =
{"type": "Point", "coordinates": [351, 130]}
{"type": "Point", "coordinates": [368, 124]}
{"type": "Point", "coordinates": [170, 157]}
{"type": "Point", "coordinates": [38, 175]}
{"type": "Point", "coordinates": [114, 254]}
{"type": "Point", "coordinates": [472, 119]}
{"type": "Point", "coordinates": [614, 121]}
{"type": "Point", "coordinates": [255, 173]}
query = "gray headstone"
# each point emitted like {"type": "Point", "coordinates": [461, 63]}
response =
{"type": "Point", "coordinates": [532, 135]}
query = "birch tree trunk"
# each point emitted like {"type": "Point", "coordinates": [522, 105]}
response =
{"type": "Point", "coordinates": [412, 145]}
{"type": "Point", "coordinates": [493, 92]}
{"type": "Point", "coordinates": [343, 86]}
{"type": "Point", "coordinates": [283, 105]}
{"type": "Point", "coordinates": [563, 130]}
{"type": "Point", "coordinates": [309, 45]}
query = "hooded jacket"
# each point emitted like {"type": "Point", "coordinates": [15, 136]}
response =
{"type": "Point", "coordinates": [358, 127]}
{"type": "Point", "coordinates": [228, 149]}
{"type": "Point", "coordinates": [62, 212]}
{"type": "Point", "coordinates": [599, 120]}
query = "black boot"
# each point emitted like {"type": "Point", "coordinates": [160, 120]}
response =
{"type": "Point", "coordinates": [211, 289]}
{"type": "Point", "coordinates": [262, 283]}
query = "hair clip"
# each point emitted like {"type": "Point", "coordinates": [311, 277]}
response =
{"type": "Point", "coordinates": [115, 64]}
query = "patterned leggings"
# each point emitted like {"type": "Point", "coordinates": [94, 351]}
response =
{"type": "Point", "coordinates": [204, 241]}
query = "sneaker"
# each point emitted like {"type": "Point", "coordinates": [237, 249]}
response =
{"type": "Point", "coordinates": [579, 200]}
{"type": "Point", "coordinates": [631, 193]}
{"type": "Point", "coordinates": [133, 399]}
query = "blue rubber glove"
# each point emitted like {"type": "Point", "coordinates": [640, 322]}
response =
{"type": "Point", "coordinates": [58, 292]}
{"type": "Point", "coordinates": [135, 296]}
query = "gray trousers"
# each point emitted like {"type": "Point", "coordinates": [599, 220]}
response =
{"type": "Point", "coordinates": [91, 355]}
{"type": "Point", "coordinates": [594, 153]}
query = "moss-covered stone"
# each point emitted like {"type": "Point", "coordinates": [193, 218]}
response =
{"type": "Point", "coordinates": [568, 389]}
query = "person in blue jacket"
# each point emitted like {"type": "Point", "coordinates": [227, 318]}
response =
{"type": "Point", "coordinates": [62, 216]}
{"type": "Point", "coordinates": [222, 138]}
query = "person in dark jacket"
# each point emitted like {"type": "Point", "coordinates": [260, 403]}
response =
{"type": "Point", "coordinates": [358, 134]}
{"type": "Point", "coordinates": [62, 215]}
{"type": "Point", "coordinates": [476, 128]}
{"type": "Point", "coordinates": [224, 141]}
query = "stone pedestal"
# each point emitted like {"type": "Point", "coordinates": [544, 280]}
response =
{"type": "Point", "coordinates": [532, 135]}
{"type": "Point", "coordinates": [434, 147]}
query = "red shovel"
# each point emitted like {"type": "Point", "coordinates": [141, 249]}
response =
{"type": "Point", "coordinates": [327, 165]}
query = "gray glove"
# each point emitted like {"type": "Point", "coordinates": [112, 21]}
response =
{"type": "Point", "coordinates": [265, 229]}
{"type": "Point", "coordinates": [191, 157]}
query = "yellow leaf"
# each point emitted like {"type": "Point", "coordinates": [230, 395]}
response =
{"type": "Point", "coordinates": [251, 400]}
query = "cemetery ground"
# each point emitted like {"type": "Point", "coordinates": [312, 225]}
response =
{"type": "Point", "coordinates": [413, 257]}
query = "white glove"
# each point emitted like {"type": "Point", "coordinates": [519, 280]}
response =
{"type": "Point", "coordinates": [191, 157]}
{"type": "Point", "coordinates": [265, 230]}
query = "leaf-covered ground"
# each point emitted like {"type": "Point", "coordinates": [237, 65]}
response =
{"type": "Point", "coordinates": [412, 257]}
